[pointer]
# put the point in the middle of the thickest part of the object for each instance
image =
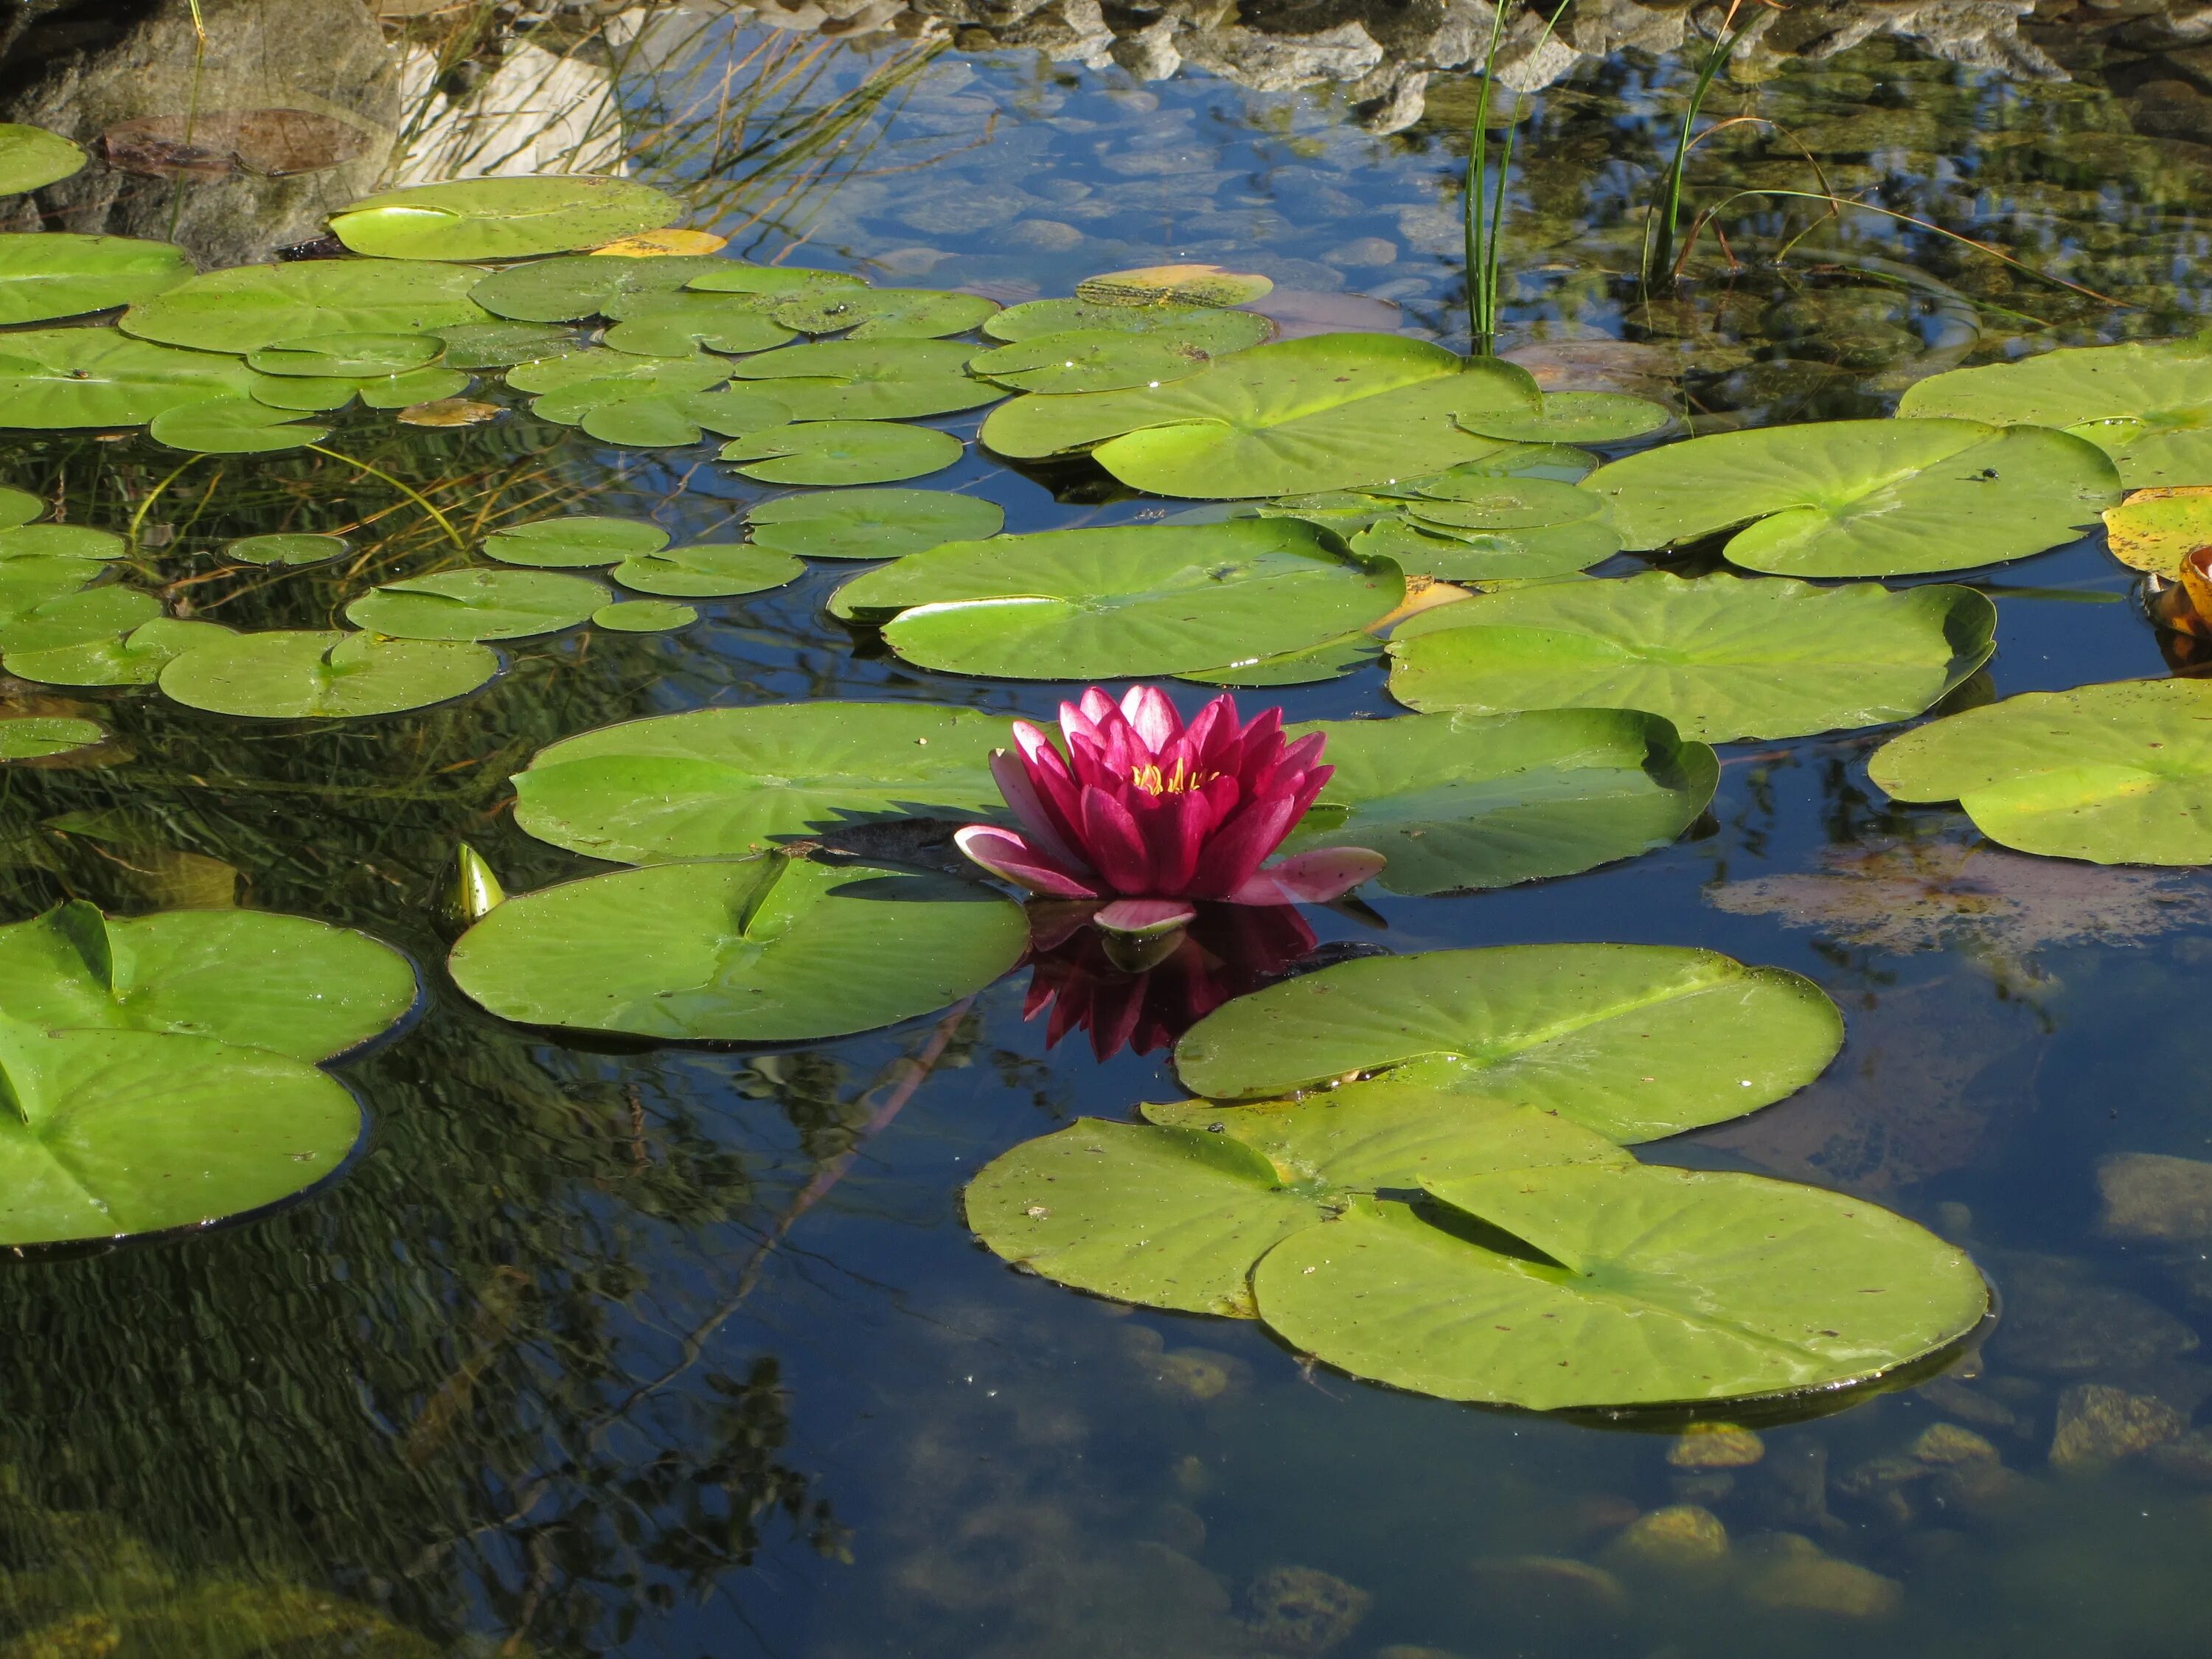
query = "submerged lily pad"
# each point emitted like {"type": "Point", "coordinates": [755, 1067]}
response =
{"type": "Point", "coordinates": [1645, 1287]}
{"type": "Point", "coordinates": [872, 524]}
{"type": "Point", "coordinates": [74, 377]}
{"type": "Point", "coordinates": [644, 616]}
{"type": "Point", "coordinates": [842, 453]}
{"type": "Point", "coordinates": [54, 273]}
{"type": "Point", "coordinates": [1633, 1041]}
{"type": "Point", "coordinates": [1863, 498]}
{"type": "Point", "coordinates": [1721, 656]}
{"type": "Point", "coordinates": [2114, 773]}
{"type": "Point", "coordinates": [884, 314]}
{"type": "Point", "coordinates": [35, 736]}
{"type": "Point", "coordinates": [108, 1134]}
{"type": "Point", "coordinates": [31, 158]}
{"type": "Point", "coordinates": [2157, 529]}
{"type": "Point", "coordinates": [575, 540]}
{"type": "Point", "coordinates": [1212, 331]}
{"type": "Point", "coordinates": [1128, 601]}
{"type": "Point", "coordinates": [707, 570]}
{"type": "Point", "coordinates": [718, 782]}
{"type": "Point", "coordinates": [133, 657]}
{"type": "Point", "coordinates": [477, 604]}
{"type": "Point", "coordinates": [1458, 801]}
{"type": "Point", "coordinates": [234, 426]}
{"type": "Point", "coordinates": [311, 675]}
{"type": "Point", "coordinates": [870, 380]}
{"type": "Point", "coordinates": [251, 307]}
{"type": "Point", "coordinates": [501, 218]}
{"type": "Point", "coordinates": [770, 949]}
{"type": "Point", "coordinates": [286, 548]}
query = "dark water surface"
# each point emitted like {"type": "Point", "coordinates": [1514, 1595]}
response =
{"type": "Point", "coordinates": [667, 1352]}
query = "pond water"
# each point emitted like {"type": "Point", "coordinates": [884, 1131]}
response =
{"type": "Point", "coordinates": [608, 1349]}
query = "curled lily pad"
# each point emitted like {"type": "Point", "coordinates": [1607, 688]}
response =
{"type": "Point", "coordinates": [872, 524]}
{"type": "Point", "coordinates": [1721, 656]}
{"type": "Point", "coordinates": [708, 570]}
{"type": "Point", "coordinates": [770, 949]}
{"type": "Point", "coordinates": [347, 356]}
{"type": "Point", "coordinates": [1636, 1286]}
{"type": "Point", "coordinates": [133, 657]}
{"type": "Point", "coordinates": [1090, 359]}
{"type": "Point", "coordinates": [842, 452]}
{"type": "Point", "coordinates": [112, 1134]}
{"type": "Point", "coordinates": [884, 314]}
{"type": "Point", "coordinates": [1214, 331]}
{"type": "Point", "coordinates": [870, 380]}
{"type": "Point", "coordinates": [251, 307]}
{"type": "Point", "coordinates": [1863, 498]}
{"type": "Point", "coordinates": [32, 158]}
{"type": "Point", "coordinates": [501, 344]}
{"type": "Point", "coordinates": [718, 782]}
{"type": "Point", "coordinates": [76, 618]}
{"type": "Point", "coordinates": [311, 675]}
{"type": "Point", "coordinates": [477, 604]}
{"type": "Point", "coordinates": [577, 539]}
{"type": "Point", "coordinates": [234, 426]}
{"type": "Point", "coordinates": [1186, 284]}
{"type": "Point", "coordinates": [2147, 404]}
{"type": "Point", "coordinates": [570, 289]}
{"type": "Point", "coordinates": [644, 616]}
{"type": "Point", "coordinates": [59, 541]}
{"type": "Point", "coordinates": [50, 273]}
{"type": "Point", "coordinates": [1127, 601]}
{"type": "Point", "coordinates": [679, 321]}
{"type": "Point", "coordinates": [680, 418]}
{"type": "Point", "coordinates": [1634, 1042]}
{"type": "Point", "coordinates": [35, 736]}
{"type": "Point", "coordinates": [1457, 801]}
{"type": "Point", "coordinates": [74, 377]}
{"type": "Point", "coordinates": [2157, 529]}
{"type": "Point", "coordinates": [314, 991]}
{"type": "Point", "coordinates": [501, 218]}
{"type": "Point", "coordinates": [2114, 773]}
{"type": "Point", "coordinates": [286, 548]}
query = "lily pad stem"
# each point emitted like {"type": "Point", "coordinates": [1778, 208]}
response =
{"type": "Point", "coordinates": [411, 493]}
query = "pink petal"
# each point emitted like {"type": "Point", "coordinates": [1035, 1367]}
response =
{"type": "Point", "coordinates": [1240, 845]}
{"type": "Point", "coordinates": [1147, 709]}
{"type": "Point", "coordinates": [1145, 918]}
{"type": "Point", "coordinates": [1018, 783]}
{"type": "Point", "coordinates": [1314, 878]}
{"type": "Point", "coordinates": [1006, 854]}
{"type": "Point", "coordinates": [1115, 846]}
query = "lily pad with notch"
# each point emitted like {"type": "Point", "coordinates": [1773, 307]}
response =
{"type": "Point", "coordinates": [38, 737]}
{"type": "Point", "coordinates": [46, 275]}
{"type": "Point", "coordinates": [75, 619]}
{"type": "Point", "coordinates": [574, 287]}
{"type": "Point", "coordinates": [680, 418]}
{"type": "Point", "coordinates": [86, 377]}
{"type": "Point", "coordinates": [501, 218]}
{"type": "Point", "coordinates": [1205, 328]}
{"type": "Point", "coordinates": [884, 314]}
{"type": "Point", "coordinates": [842, 452]}
{"type": "Point", "coordinates": [1090, 359]}
{"type": "Point", "coordinates": [772, 282]}
{"type": "Point", "coordinates": [135, 657]}
{"type": "Point", "coordinates": [680, 321]}
{"type": "Point", "coordinates": [234, 426]}
{"type": "Point", "coordinates": [19, 507]}
{"type": "Point", "coordinates": [310, 674]}
{"type": "Point", "coordinates": [478, 605]}
{"type": "Point", "coordinates": [347, 356]}
{"type": "Point", "coordinates": [288, 547]}
{"type": "Point", "coordinates": [870, 524]}
{"type": "Point", "coordinates": [31, 158]}
{"type": "Point", "coordinates": [58, 541]}
{"type": "Point", "coordinates": [708, 570]}
{"type": "Point", "coordinates": [250, 306]}
{"type": "Point", "coordinates": [644, 616]}
{"type": "Point", "coordinates": [870, 380]}
{"type": "Point", "coordinates": [501, 344]}
{"type": "Point", "coordinates": [575, 541]}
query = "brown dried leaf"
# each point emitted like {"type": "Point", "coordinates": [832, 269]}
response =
{"type": "Point", "coordinates": [663, 244]}
{"type": "Point", "coordinates": [274, 143]}
{"type": "Point", "coordinates": [450, 411]}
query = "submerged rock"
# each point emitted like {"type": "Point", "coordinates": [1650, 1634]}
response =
{"type": "Point", "coordinates": [1716, 1446]}
{"type": "Point", "coordinates": [2189, 1458]}
{"type": "Point", "coordinates": [2058, 1321]}
{"type": "Point", "coordinates": [1943, 1445]}
{"type": "Point", "coordinates": [2099, 1424]}
{"type": "Point", "coordinates": [1796, 1573]}
{"type": "Point", "coordinates": [2149, 1195]}
{"type": "Point", "coordinates": [1679, 1536]}
{"type": "Point", "coordinates": [1550, 1585]}
{"type": "Point", "coordinates": [1302, 1611]}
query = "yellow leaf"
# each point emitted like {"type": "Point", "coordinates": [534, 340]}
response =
{"type": "Point", "coordinates": [659, 244]}
{"type": "Point", "coordinates": [1190, 285]}
{"type": "Point", "coordinates": [2157, 529]}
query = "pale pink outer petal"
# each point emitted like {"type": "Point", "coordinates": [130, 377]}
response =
{"type": "Point", "coordinates": [1152, 715]}
{"type": "Point", "coordinates": [1017, 782]}
{"type": "Point", "coordinates": [1313, 877]}
{"type": "Point", "coordinates": [1006, 854]}
{"type": "Point", "coordinates": [1145, 918]}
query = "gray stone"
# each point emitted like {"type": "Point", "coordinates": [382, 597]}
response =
{"type": "Point", "coordinates": [2059, 1321]}
{"type": "Point", "coordinates": [2099, 1424]}
{"type": "Point", "coordinates": [1302, 1611]}
{"type": "Point", "coordinates": [2149, 1195]}
{"type": "Point", "coordinates": [1363, 252]}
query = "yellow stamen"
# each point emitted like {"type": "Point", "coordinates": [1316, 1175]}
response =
{"type": "Point", "coordinates": [1150, 778]}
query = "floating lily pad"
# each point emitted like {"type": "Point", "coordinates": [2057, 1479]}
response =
{"type": "Point", "coordinates": [2157, 529]}
{"type": "Point", "coordinates": [679, 418]}
{"type": "Point", "coordinates": [1647, 1286]}
{"type": "Point", "coordinates": [706, 570]}
{"type": "Point", "coordinates": [571, 289]}
{"type": "Point", "coordinates": [1132, 600]}
{"type": "Point", "coordinates": [597, 366]}
{"type": "Point", "coordinates": [1330, 660]}
{"type": "Point", "coordinates": [35, 736]}
{"type": "Point", "coordinates": [1185, 284]}
{"type": "Point", "coordinates": [72, 377]}
{"type": "Point", "coordinates": [303, 395]}
{"type": "Point", "coordinates": [58, 541]}
{"type": "Point", "coordinates": [872, 524]}
{"type": "Point", "coordinates": [870, 380]}
{"type": "Point", "coordinates": [348, 356]}
{"type": "Point", "coordinates": [284, 983]}
{"type": "Point", "coordinates": [31, 158]}
{"type": "Point", "coordinates": [18, 507]}
{"type": "Point", "coordinates": [644, 616]}
{"type": "Point", "coordinates": [1421, 548]}
{"type": "Point", "coordinates": [735, 277]}
{"type": "Point", "coordinates": [1863, 498]}
{"type": "Point", "coordinates": [77, 618]}
{"type": "Point", "coordinates": [251, 307]}
{"type": "Point", "coordinates": [1210, 330]}
{"type": "Point", "coordinates": [109, 1135]}
{"type": "Point", "coordinates": [673, 323]}
{"type": "Point", "coordinates": [763, 950]}
{"type": "Point", "coordinates": [575, 540]}
{"type": "Point", "coordinates": [843, 451]}
{"type": "Point", "coordinates": [501, 346]}
{"type": "Point", "coordinates": [328, 675]}
{"type": "Point", "coordinates": [884, 314]}
{"type": "Point", "coordinates": [1457, 801]}
{"type": "Point", "coordinates": [1634, 1042]}
{"type": "Point", "coordinates": [2147, 404]}
{"type": "Point", "coordinates": [286, 548]}
{"type": "Point", "coordinates": [717, 782]}
{"type": "Point", "coordinates": [663, 245]}
{"type": "Point", "coordinates": [477, 604]}
{"type": "Point", "coordinates": [133, 657]}
{"type": "Point", "coordinates": [234, 426]}
{"type": "Point", "coordinates": [1090, 360]}
{"type": "Point", "coordinates": [49, 274]}
{"type": "Point", "coordinates": [421, 385]}
{"type": "Point", "coordinates": [2114, 773]}
{"type": "Point", "coordinates": [501, 218]}
{"type": "Point", "coordinates": [28, 583]}
{"type": "Point", "coordinates": [1723, 657]}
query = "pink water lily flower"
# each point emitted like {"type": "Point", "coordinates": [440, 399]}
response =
{"type": "Point", "coordinates": [1152, 814]}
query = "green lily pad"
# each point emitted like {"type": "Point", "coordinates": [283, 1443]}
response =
{"type": "Point", "coordinates": [347, 356]}
{"type": "Point", "coordinates": [286, 548]}
{"type": "Point", "coordinates": [2114, 773]}
{"type": "Point", "coordinates": [870, 380]}
{"type": "Point", "coordinates": [1132, 600]}
{"type": "Point", "coordinates": [1206, 328]}
{"type": "Point", "coordinates": [884, 314]}
{"type": "Point", "coordinates": [1419, 548]}
{"type": "Point", "coordinates": [1332, 660]}
{"type": "Point", "coordinates": [763, 950]}
{"type": "Point", "coordinates": [74, 377]}
{"type": "Point", "coordinates": [2147, 405]}
{"type": "Point", "coordinates": [58, 541]}
{"type": "Point", "coordinates": [133, 657]}
{"type": "Point", "coordinates": [501, 344]}
{"type": "Point", "coordinates": [284, 983]}
{"type": "Point", "coordinates": [19, 507]}
{"type": "Point", "coordinates": [49, 274]}
{"type": "Point", "coordinates": [1863, 498]}
{"type": "Point", "coordinates": [110, 1135]}
{"type": "Point", "coordinates": [501, 218]}
{"type": "Point", "coordinates": [78, 618]}
{"type": "Point", "coordinates": [674, 419]}
{"type": "Point", "coordinates": [28, 583]}
{"type": "Point", "coordinates": [1572, 418]}
{"type": "Point", "coordinates": [1458, 801]}
{"type": "Point", "coordinates": [842, 452]}
{"type": "Point", "coordinates": [303, 395]}
{"type": "Point", "coordinates": [575, 540]}
{"type": "Point", "coordinates": [571, 289]}
{"type": "Point", "coordinates": [1649, 1286]}
{"type": "Point", "coordinates": [644, 616]}
{"type": "Point", "coordinates": [324, 675]}
{"type": "Point", "coordinates": [1636, 1041]}
{"type": "Point", "coordinates": [680, 321]}
{"type": "Point", "coordinates": [717, 782]}
{"type": "Point", "coordinates": [735, 277]}
{"type": "Point", "coordinates": [35, 736]}
{"type": "Point", "coordinates": [872, 524]}
{"type": "Point", "coordinates": [1723, 657]}
{"type": "Point", "coordinates": [31, 158]}
{"type": "Point", "coordinates": [234, 426]}
{"type": "Point", "coordinates": [251, 307]}
{"type": "Point", "coordinates": [597, 366]}
{"type": "Point", "coordinates": [1090, 360]}
{"type": "Point", "coordinates": [477, 604]}
{"type": "Point", "coordinates": [708, 570]}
